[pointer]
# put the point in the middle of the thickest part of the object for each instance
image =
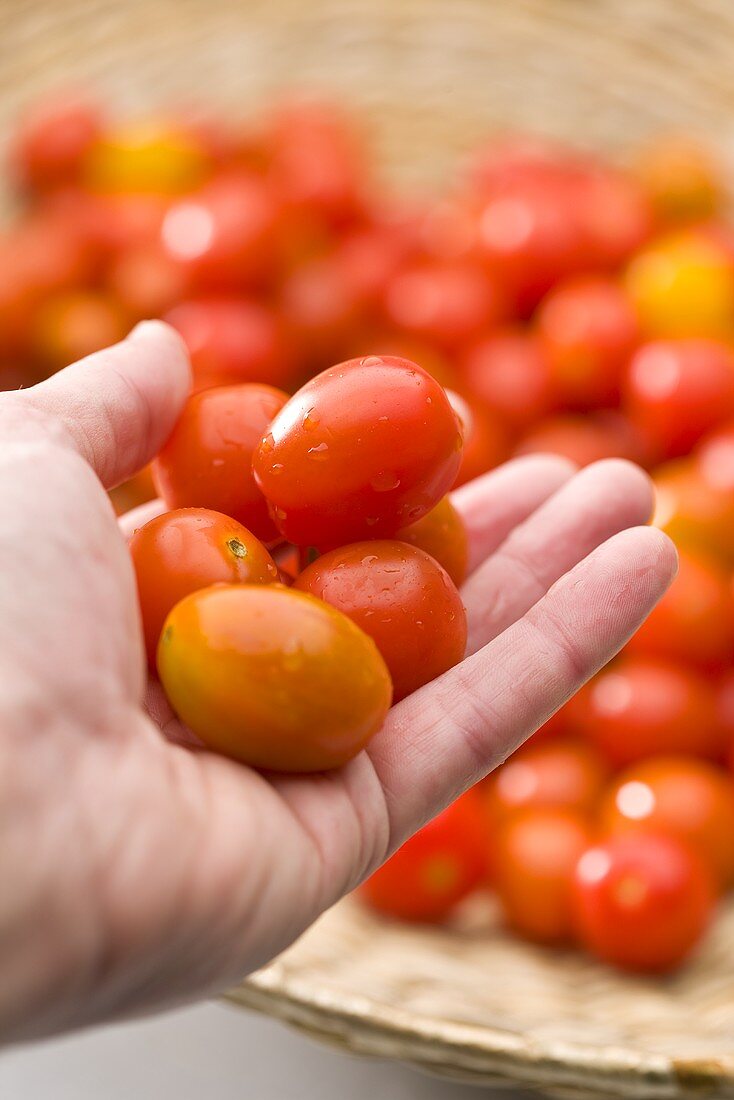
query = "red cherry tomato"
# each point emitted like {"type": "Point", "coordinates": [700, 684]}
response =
{"type": "Point", "coordinates": [615, 216]}
{"type": "Point", "coordinates": [509, 373]}
{"type": "Point", "coordinates": [402, 598]}
{"type": "Point", "coordinates": [207, 461]}
{"type": "Point", "coordinates": [320, 309]}
{"type": "Point", "coordinates": [643, 902]}
{"type": "Point", "coordinates": [588, 329]}
{"type": "Point", "coordinates": [642, 706]}
{"type": "Point", "coordinates": [680, 796]}
{"type": "Point", "coordinates": [272, 677]}
{"type": "Point", "coordinates": [536, 852]}
{"type": "Point", "coordinates": [188, 549]}
{"type": "Point", "coordinates": [434, 870]}
{"type": "Point", "coordinates": [676, 390]}
{"type": "Point", "coordinates": [585, 439]}
{"type": "Point", "coordinates": [232, 340]}
{"type": "Point", "coordinates": [694, 621]}
{"type": "Point", "coordinates": [486, 445]}
{"type": "Point", "coordinates": [146, 281]}
{"type": "Point", "coordinates": [442, 534]}
{"type": "Point", "coordinates": [360, 451]}
{"type": "Point", "coordinates": [52, 140]}
{"type": "Point", "coordinates": [560, 774]}
{"type": "Point", "coordinates": [67, 327]}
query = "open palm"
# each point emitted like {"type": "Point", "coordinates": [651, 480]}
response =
{"type": "Point", "coordinates": [143, 872]}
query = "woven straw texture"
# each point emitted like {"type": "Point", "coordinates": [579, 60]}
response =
{"type": "Point", "coordinates": [432, 77]}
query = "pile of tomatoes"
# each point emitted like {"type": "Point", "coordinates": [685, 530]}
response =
{"type": "Point", "coordinates": [576, 306]}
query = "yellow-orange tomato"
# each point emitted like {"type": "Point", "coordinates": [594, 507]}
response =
{"type": "Point", "coordinates": [683, 285]}
{"type": "Point", "coordinates": [273, 677]}
{"type": "Point", "coordinates": [694, 510]}
{"type": "Point", "coordinates": [442, 534]}
{"type": "Point", "coordinates": [188, 549]}
{"type": "Point", "coordinates": [146, 157]}
{"type": "Point", "coordinates": [681, 179]}
{"type": "Point", "coordinates": [71, 326]}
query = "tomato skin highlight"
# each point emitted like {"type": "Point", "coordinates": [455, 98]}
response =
{"type": "Point", "coordinates": [560, 773]}
{"type": "Point", "coordinates": [206, 462]}
{"type": "Point", "coordinates": [434, 870]}
{"type": "Point", "coordinates": [442, 534]}
{"type": "Point", "coordinates": [272, 677]}
{"type": "Point", "coordinates": [360, 451]}
{"type": "Point", "coordinates": [402, 598]}
{"type": "Point", "coordinates": [191, 548]}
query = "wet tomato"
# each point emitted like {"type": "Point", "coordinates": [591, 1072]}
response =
{"type": "Point", "coordinates": [442, 534]}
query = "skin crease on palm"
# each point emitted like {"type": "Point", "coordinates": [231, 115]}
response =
{"type": "Point", "coordinates": [138, 873]}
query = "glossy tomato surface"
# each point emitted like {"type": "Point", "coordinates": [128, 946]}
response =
{"type": "Point", "coordinates": [207, 461]}
{"type": "Point", "coordinates": [188, 549]}
{"type": "Point", "coordinates": [442, 534]}
{"type": "Point", "coordinates": [272, 677]}
{"type": "Point", "coordinates": [402, 598]}
{"type": "Point", "coordinates": [360, 451]}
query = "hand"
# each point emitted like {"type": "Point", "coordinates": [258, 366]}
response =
{"type": "Point", "coordinates": [138, 873]}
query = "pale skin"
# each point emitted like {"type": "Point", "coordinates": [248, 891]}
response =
{"type": "Point", "coordinates": [138, 873]}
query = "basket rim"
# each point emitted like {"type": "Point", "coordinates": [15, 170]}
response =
{"type": "Point", "coordinates": [476, 1052]}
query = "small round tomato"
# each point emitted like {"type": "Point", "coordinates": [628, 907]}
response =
{"type": "Point", "coordinates": [694, 621]}
{"type": "Point", "coordinates": [67, 327]}
{"type": "Point", "coordinates": [681, 796]}
{"type": "Point", "coordinates": [681, 180]}
{"type": "Point", "coordinates": [232, 340]}
{"type": "Point", "coordinates": [272, 677]}
{"type": "Point", "coordinates": [585, 439]}
{"type": "Point", "coordinates": [52, 140]}
{"type": "Point", "coordinates": [149, 157]}
{"type": "Point", "coordinates": [683, 285]}
{"type": "Point", "coordinates": [188, 549]}
{"type": "Point", "coordinates": [615, 216]}
{"type": "Point", "coordinates": [536, 852]}
{"type": "Point", "coordinates": [207, 461]}
{"type": "Point", "coordinates": [509, 373]}
{"type": "Point", "coordinates": [443, 303]}
{"type": "Point", "coordinates": [676, 390]}
{"type": "Point", "coordinates": [402, 598]}
{"type": "Point", "coordinates": [561, 774]}
{"type": "Point", "coordinates": [696, 509]}
{"type": "Point", "coordinates": [641, 706]}
{"type": "Point", "coordinates": [434, 870]}
{"type": "Point", "coordinates": [360, 451]}
{"type": "Point", "coordinates": [588, 328]}
{"type": "Point", "coordinates": [146, 281]}
{"type": "Point", "coordinates": [642, 902]}
{"type": "Point", "coordinates": [225, 234]}
{"type": "Point", "coordinates": [486, 444]}
{"type": "Point", "coordinates": [320, 309]}
{"type": "Point", "coordinates": [442, 534]}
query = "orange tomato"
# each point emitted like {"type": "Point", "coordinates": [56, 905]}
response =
{"type": "Point", "coordinates": [560, 774]}
{"type": "Point", "coordinates": [695, 510]}
{"type": "Point", "coordinates": [442, 534]}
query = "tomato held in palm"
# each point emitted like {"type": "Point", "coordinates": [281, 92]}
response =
{"type": "Point", "coordinates": [694, 621]}
{"type": "Point", "coordinates": [402, 598]}
{"type": "Point", "coordinates": [676, 390]}
{"type": "Point", "coordinates": [588, 329]}
{"type": "Point", "coordinates": [232, 340]}
{"type": "Point", "coordinates": [641, 706]}
{"type": "Point", "coordinates": [363, 449]}
{"type": "Point", "coordinates": [536, 852]}
{"type": "Point", "coordinates": [207, 461]}
{"type": "Point", "coordinates": [563, 773]}
{"type": "Point", "coordinates": [182, 551]}
{"type": "Point", "coordinates": [678, 795]}
{"type": "Point", "coordinates": [509, 372]}
{"type": "Point", "coordinates": [436, 869]}
{"type": "Point", "coordinates": [272, 677]}
{"type": "Point", "coordinates": [442, 534]}
{"type": "Point", "coordinates": [643, 902]}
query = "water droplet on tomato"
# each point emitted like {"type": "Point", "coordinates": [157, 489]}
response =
{"type": "Point", "coordinates": [385, 481]}
{"type": "Point", "coordinates": [311, 420]}
{"type": "Point", "coordinates": [372, 361]}
{"type": "Point", "coordinates": [267, 444]}
{"type": "Point", "coordinates": [368, 559]}
{"type": "Point", "coordinates": [276, 467]}
{"type": "Point", "coordinates": [318, 452]}
{"type": "Point", "coordinates": [371, 521]}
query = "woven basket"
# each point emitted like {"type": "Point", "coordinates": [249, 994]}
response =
{"type": "Point", "coordinates": [433, 77]}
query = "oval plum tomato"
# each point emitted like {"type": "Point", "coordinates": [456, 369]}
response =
{"type": "Point", "coordinates": [52, 140]}
{"type": "Point", "coordinates": [444, 303]}
{"type": "Point", "coordinates": [694, 621]}
{"type": "Point", "coordinates": [585, 439]}
{"type": "Point", "coordinates": [272, 677]}
{"type": "Point", "coordinates": [676, 390]}
{"type": "Point", "coordinates": [680, 796]}
{"type": "Point", "coordinates": [486, 445]}
{"type": "Point", "coordinates": [68, 327]}
{"type": "Point", "coordinates": [360, 451]}
{"type": "Point", "coordinates": [232, 340]}
{"type": "Point", "coordinates": [683, 285]}
{"type": "Point", "coordinates": [641, 706]}
{"type": "Point", "coordinates": [681, 180]}
{"type": "Point", "coordinates": [434, 870]}
{"type": "Point", "coordinates": [442, 534]}
{"type": "Point", "coordinates": [188, 549]}
{"type": "Point", "coordinates": [207, 461]}
{"type": "Point", "coordinates": [588, 329]}
{"type": "Point", "coordinates": [402, 598]}
{"type": "Point", "coordinates": [560, 774]}
{"type": "Point", "coordinates": [509, 372]}
{"type": "Point", "coordinates": [536, 852]}
{"type": "Point", "coordinates": [642, 902]}
{"type": "Point", "coordinates": [694, 510]}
